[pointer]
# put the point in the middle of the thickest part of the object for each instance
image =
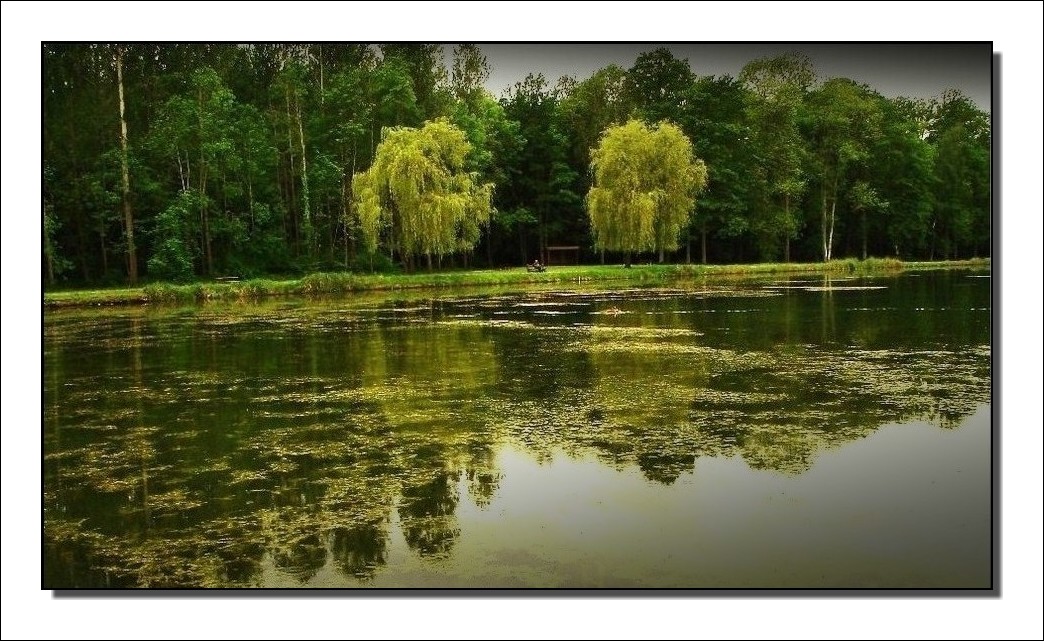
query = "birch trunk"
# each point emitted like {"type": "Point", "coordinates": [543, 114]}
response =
{"type": "Point", "coordinates": [306, 212]}
{"type": "Point", "coordinates": [128, 216]}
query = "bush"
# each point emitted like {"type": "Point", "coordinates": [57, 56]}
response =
{"type": "Point", "coordinates": [173, 238]}
{"type": "Point", "coordinates": [376, 263]}
{"type": "Point", "coordinates": [327, 283]}
{"type": "Point", "coordinates": [172, 261]}
{"type": "Point", "coordinates": [167, 293]}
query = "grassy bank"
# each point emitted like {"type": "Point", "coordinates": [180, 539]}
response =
{"type": "Point", "coordinates": [342, 283]}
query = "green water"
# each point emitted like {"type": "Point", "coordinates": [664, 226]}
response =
{"type": "Point", "coordinates": [804, 432]}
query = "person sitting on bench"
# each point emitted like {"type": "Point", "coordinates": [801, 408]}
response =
{"type": "Point", "coordinates": [536, 266]}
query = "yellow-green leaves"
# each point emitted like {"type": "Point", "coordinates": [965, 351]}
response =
{"type": "Point", "coordinates": [645, 185]}
{"type": "Point", "coordinates": [417, 195]}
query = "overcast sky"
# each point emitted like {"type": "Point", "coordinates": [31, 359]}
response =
{"type": "Point", "coordinates": [922, 70]}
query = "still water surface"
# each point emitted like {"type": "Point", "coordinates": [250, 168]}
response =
{"type": "Point", "coordinates": [801, 432]}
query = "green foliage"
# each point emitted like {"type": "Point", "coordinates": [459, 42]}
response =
{"type": "Point", "coordinates": [592, 106]}
{"type": "Point", "coordinates": [543, 181]}
{"type": "Point", "coordinates": [470, 70]}
{"type": "Point", "coordinates": [375, 262]}
{"type": "Point", "coordinates": [171, 261]}
{"type": "Point", "coordinates": [175, 251]}
{"type": "Point", "coordinates": [325, 283]}
{"type": "Point", "coordinates": [393, 95]}
{"type": "Point", "coordinates": [903, 162]}
{"type": "Point", "coordinates": [846, 119]}
{"type": "Point", "coordinates": [657, 83]}
{"type": "Point", "coordinates": [779, 79]}
{"type": "Point", "coordinates": [418, 195]}
{"type": "Point", "coordinates": [645, 185]}
{"type": "Point", "coordinates": [56, 264]}
{"type": "Point", "coordinates": [266, 250]}
{"type": "Point", "coordinates": [777, 89]}
{"type": "Point", "coordinates": [427, 75]}
{"type": "Point", "coordinates": [494, 138]}
{"type": "Point", "coordinates": [719, 123]}
{"type": "Point", "coordinates": [271, 136]}
{"type": "Point", "coordinates": [863, 196]}
{"type": "Point", "coordinates": [167, 293]}
{"type": "Point", "coordinates": [960, 136]}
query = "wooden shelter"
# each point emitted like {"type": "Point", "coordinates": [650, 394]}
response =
{"type": "Point", "coordinates": [562, 255]}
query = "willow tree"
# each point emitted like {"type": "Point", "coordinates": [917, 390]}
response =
{"type": "Point", "coordinates": [417, 197]}
{"type": "Point", "coordinates": [645, 185]}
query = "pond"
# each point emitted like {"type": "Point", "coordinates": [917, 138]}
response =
{"type": "Point", "coordinates": [766, 433]}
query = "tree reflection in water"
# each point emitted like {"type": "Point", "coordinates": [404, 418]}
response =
{"type": "Point", "coordinates": [182, 449]}
{"type": "Point", "coordinates": [361, 550]}
{"type": "Point", "coordinates": [426, 511]}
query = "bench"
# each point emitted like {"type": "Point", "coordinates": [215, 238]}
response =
{"type": "Point", "coordinates": [227, 279]}
{"type": "Point", "coordinates": [530, 268]}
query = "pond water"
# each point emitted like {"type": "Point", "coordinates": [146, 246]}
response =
{"type": "Point", "coordinates": [787, 432]}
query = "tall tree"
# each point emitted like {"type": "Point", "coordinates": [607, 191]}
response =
{"type": "Point", "coordinates": [427, 72]}
{"type": "Point", "coordinates": [960, 135]}
{"type": "Point", "coordinates": [657, 84]}
{"type": "Point", "coordinates": [345, 135]}
{"type": "Point", "coordinates": [128, 216]}
{"type": "Point", "coordinates": [591, 107]}
{"type": "Point", "coordinates": [418, 194]}
{"type": "Point", "coordinates": [902, 169]}
{"type": "Point", "coordinates": [718, 121]}
{"type": "Point", "coordinates": [543, 188]}
{"type": "Point", "coordinates": [777, 91]}
{"type": "Point", "coordinates": [586, 109]}
{"type": "Point", "coordinates": [845, 118]}
{"type": "Point", "coordinates": [645, 185]}
{"type": "Point", "coordinates": [80, 110]}
{"type": "Point", "coordinates": [194, 134]}
{"type": "Point", "coordinates": [470, 70]}
{"type": "Point", "coordinates": [392, 97]}
{"type": "Point", "coordinates": [241, 158]}
{"type": "Point", "coordinates": [496, 146]}
{"type": "Point", "coordinates": [292, 83]}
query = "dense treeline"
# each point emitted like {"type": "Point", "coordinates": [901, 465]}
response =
{"type": "Point", "coordinates": [181, 161]}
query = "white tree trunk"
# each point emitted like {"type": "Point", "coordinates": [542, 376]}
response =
{"type": "Point", "coordinates": [128, 217]}
{"type": "Point", "coordinates": [306, 213]}
{"type": "Point", "coordinates": [830, 237]}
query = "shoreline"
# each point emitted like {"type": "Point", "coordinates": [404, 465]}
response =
{"type": "Point", "coordinates": [324, 283]}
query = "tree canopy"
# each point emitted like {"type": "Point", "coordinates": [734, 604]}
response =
{"type": "Point", "coordinates": [182, 161]}
{"type": "Point", "coordinates": [645, 185]}
{"type": "Point", "coordinates": [418, 196]}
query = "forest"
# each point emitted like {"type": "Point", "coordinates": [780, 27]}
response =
{"type": "Point", "coordinates": [179, 162]}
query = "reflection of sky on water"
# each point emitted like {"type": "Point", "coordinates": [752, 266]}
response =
{"type": "Point", "coordinates": [908, 506]}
